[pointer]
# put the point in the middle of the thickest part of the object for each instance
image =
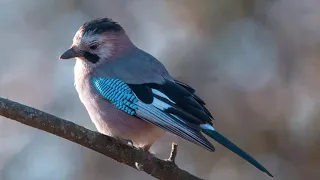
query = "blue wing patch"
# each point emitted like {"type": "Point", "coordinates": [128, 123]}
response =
{"type": "Point", "coordinates": [118, 93]}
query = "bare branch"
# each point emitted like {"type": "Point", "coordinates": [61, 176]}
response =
{"type": "Point", "coordinates": [108, 146]}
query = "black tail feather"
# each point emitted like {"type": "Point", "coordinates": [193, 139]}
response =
{"type": "Point", "coordinates": [234, 148]}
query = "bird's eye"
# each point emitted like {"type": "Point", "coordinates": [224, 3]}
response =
{"type": "Point", "coordinates": [94, 46]}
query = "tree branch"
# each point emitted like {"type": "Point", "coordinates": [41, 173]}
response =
{"type": "Point", "coordinates": [108, 146]}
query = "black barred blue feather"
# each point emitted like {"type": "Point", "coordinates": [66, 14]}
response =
{"type": "Point", "coordinates": [118, 93]}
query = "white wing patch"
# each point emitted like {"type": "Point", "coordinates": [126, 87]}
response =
{"type": "Point", "coordinates": [207, 126]}
{"type": "Point", "coordinates": [162, 95]}
{"type": "Point", "coordinates": [160, 104]}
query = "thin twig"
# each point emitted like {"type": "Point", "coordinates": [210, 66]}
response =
{"type": "Point", "coordinates": [108, 146]}
{"type": "Point", "coordinates": [173, 154]}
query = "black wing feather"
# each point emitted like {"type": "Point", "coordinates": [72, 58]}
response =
{"type": "Point", "coordinates": [184, 99]}
{"type": "Point", "coordinates": [188, 106]}
{"type": "Point", "coordinates": [175, 110]}
{"type": "Point", "coordinates": [197, 98]}
{"type": "Point", "coordinates": [191, 90]}
{"type": "Point", "coordinates": [143, 91]}
{"type": "Point", "coordinates": [186, 86]}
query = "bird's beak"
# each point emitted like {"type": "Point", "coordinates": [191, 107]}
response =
{"type": "Point", "coordinates": [70, 53]}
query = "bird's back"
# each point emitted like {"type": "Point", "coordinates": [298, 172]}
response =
{"type": "Point", "coordinates": [135, 67]}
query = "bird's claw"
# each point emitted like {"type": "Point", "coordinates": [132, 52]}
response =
{"type": "Point", "coordinates": [149, 157]}
{"type": "Point", "coordinates": [126, 141]}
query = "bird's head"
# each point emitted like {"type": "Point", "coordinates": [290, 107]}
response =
{"type": "Point", "coordinates": [98, 41]}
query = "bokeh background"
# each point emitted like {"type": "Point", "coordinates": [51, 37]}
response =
{"type": "Point", "coordinates": [255, 62]}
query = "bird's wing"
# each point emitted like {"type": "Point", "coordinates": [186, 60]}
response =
{"type": "Point", "coordinates": [171, 106]}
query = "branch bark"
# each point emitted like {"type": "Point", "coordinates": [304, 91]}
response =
{"type": "Point", "coordinates": [108, 146]}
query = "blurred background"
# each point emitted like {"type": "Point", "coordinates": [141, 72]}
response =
{"type": "Point", "coordinates": [255, 62]}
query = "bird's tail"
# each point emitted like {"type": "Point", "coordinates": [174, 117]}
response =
{"type": "Point", "coordinates": [234, 148]}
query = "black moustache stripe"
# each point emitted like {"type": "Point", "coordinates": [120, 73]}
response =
{"type": "Point", "coordinates": [93, 58]}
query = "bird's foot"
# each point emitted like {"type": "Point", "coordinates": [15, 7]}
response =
{"type": "Point", "coordinates": [148, 159]}
{"type": "Point", "coordinates": [171, 158]}
{"type": "Point", "coordinates": [145, 148]}
{"type": "Point", "coordinates": [126, 141]}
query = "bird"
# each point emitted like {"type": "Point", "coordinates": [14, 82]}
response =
{"type": "Point", "coordinates": [130, 95]}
